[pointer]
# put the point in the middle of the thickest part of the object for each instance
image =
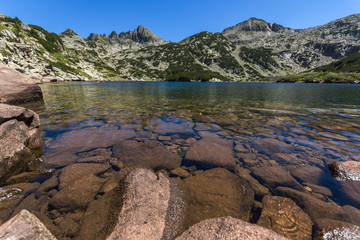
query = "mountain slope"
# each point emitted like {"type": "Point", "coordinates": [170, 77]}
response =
{"type": "Point", "coordinates": [348, 64]}
{"type": "Point", "coordinates": [249, 51]}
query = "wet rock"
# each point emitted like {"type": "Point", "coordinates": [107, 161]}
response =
{"type": "Point", "coordinates": [283, 216]}
{"type": "Point", "coordinates": [319, 189]}
{"type": "Point", "coordinates": [183, 129]}
{"type": "Point", "coordinates": [88, 139]}
{"type": "Point", "coordinates": [145, 206]}
{"type": "Point", "coordinates": [227, 228]}
{"type": "Point", "coordinates": [17, 88]}
{"type": "Point", "coordinates": [180, 172]}
{"type": "Point", "coordinates": [350, 191]}
{"type": "Point", "coordinates": [25, 226]}
{"type": "Point", "coordinates": [310, 174]}
{"type": "Point", "coordinates": [59, 160]}
{"type": "Point", "coordinates": [269, 146]}
{"type": "Point", "coordinates": [75, 171]}
{"type": "Point", "coordinates": [342, 171]}
{"type": "Point", "coordinates": [147, 155]}
{"type": "Point", "coordinates": [49, 184]}
{"type": "Point", "coordinates": [258, 189]}
{"type": "Point", "coordinates": [273, 177]}
{"type": "Point", "coordinates": [217, 193]}
{"type": "Point", "coordinates": [209, 154]}
{"type": "Point", "coordinates": [316, 208]}
{"type": "Point", "coordinates": [78, 195]}
{"type": "Point", "coordinates": [327, 229]}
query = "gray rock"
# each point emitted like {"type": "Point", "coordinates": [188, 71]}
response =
{"type": "Point", "coordinates": [228, 228]}
{"type": "Point", "coordinates": [349, 170]}
{"type": "Point", "coordinates": [25, 226]}
{"type": "Point", "coordinates": [9, 112]}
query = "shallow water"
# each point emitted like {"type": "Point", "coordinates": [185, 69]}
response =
{"type": "Point", "coordinates": [300, 127]}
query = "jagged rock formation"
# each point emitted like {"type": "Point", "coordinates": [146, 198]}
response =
{"type": "Point", "coordinates": [250, 50]}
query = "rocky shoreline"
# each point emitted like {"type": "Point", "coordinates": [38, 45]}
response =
{"type": "Point", "coordinates": [124, 186]}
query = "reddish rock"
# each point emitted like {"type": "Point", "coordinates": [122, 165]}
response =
{"type": "Point", "coordinates": [228, 228]}
{"type": "Point", "coordinates": [17, 88]}
{"type": "Point", "coordinates": [327, 229]}
{"type": "Point", "coordinates": [25, 225]}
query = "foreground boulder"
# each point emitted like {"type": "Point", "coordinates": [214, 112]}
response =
{"type": "Point", "coordinates": [25, 225]}
{"type": "Point", "coordinates": [342, 171]}
{"type": "Point", "coordinates": [217, 193]}
{"type": "Point", "coordinates": [147, 208]}
{"type": "Point", "coordinates": [18, 130]}
{"type": "Point", "coordinates": [228, 228]}
{"type": "Point", "coordinates": [283, 216]}
{"type": "Point", "coordinates": [17, 88]}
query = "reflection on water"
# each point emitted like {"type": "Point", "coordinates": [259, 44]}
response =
{"type": "Point", "coordinates": [298, 127]}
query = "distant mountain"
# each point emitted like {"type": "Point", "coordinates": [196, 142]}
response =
{"type": "Point", "coordinates": [249, 51]}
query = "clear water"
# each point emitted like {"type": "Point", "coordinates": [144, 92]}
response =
{"type": "Point", "coordinates": [287, 125]}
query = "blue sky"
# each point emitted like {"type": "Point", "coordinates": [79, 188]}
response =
{"type": "Point", "coordinates": [172, 20]}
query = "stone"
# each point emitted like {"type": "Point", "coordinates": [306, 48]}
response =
{"type": "Point", "coordinates": [316, 208]}
{"type": "Point", "coordinates": [209, 154]}
{"type": "Point", "coordinates": [272, 177]}
{"type": "Point", "coordinates": [14, 139]}
{"type": "Point", "coordinates": [180, 172]}
{"type": "Point", "coordinates": [78, 195]}
{"type": "Point", "coordinates": [283, 216]}
{"type": "Point", "coordinates": [58, 160]}
{"type": "Point", "coordinates": [17, 88]}
{"type": "Point", "coordinates": [145, 205]}
{"type": "Point", "coordinates": [349, 170]}
{"type": "Point", "coordinates": [25, 225]}
{"type": "Point", "coordinates": [75, 171]}
{"type": "Point", "coordinates": [9, 112]}
{"type": "Point", "coordinates": [183, 129]}
{"type": "Point", "coordinates": [258, 189]}
{"type": "Point", "coordinates": [217, 193]}
{"type": "Point", "coordinates": [319, 189]}
{"type": "Point", "coordinates": [228, 228]}
{"type": "Point", "coordinates": [327, 229]}
{"type": "Point", "coordinates": [310, 174]}
{"type": "Point", "coordinates": [145, 155]}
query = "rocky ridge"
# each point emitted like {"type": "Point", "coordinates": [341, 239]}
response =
{"type": "Point", "coordinates": [250, 50]}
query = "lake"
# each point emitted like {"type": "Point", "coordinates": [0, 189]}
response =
{"type": "Point", "coordinates": [290, 130]}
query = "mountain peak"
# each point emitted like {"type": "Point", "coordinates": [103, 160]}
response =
{"type": "Point", "coordinates": [141, 35]}
{"type": "Point", "coordinates": [68, 33]}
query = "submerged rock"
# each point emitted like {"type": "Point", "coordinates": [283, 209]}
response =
{"type": "Point", "coordinates": [227, 228]}
{"type": "Point", "coordinates": [283, 216]}
{"type": "Point", "coordinates": [217, 193]}
{"type": "Point", "coordinates": [208, 154]}
{"type": "Point", "coordinates": [342, 171]}
{"type": "Point", "coordinates": [146, 155]}
{"type": "Point", "coordinates": [25, 225]}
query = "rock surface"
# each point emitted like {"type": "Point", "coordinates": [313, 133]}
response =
{"type": "Point", "coordinates": [349, 170]}
{"type": "Point", "coordinates": [145, 206]}
{"type": "Point", "coordinates": [17, 88]}
{"type": "Point", "coordinates": [18, 129]}
{"type": "Point", "coordinates": [283, 216]}
{"type": "Point", "coordinates": [25, 226]}
{"type": "Point", "coordinates": [217, 193]}
{"type": "Point", "coordinates": [327, 229]}
{"type": "Point", "coordinates": [228, 228]}
{"type": "Point", "coordinates": [146, 155]}
{"type": "Point", "coordinates": [209, 154]}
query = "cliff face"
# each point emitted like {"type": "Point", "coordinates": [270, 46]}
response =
{"type": "Point", "coordinates": [250, 50]}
